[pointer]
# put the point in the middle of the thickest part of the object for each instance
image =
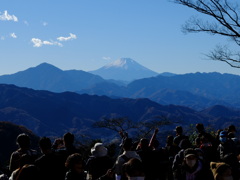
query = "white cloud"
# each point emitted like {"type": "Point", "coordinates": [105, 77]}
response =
{"type": "Point", "coordinates": [13, 35]}
{"type": "Point", "coordinates": [106, 58]}
{"type": "Point", "coordinates": [72, 36]}
{"type": "Point", "coordinates": [38, 43]}
{"type": "Point", "coordinates": [7, 17]}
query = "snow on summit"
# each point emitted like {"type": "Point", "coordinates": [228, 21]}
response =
{"type": "Point", "coordinates": [125, 69]}
{"type": "Point", "coordinates": [121, 63]}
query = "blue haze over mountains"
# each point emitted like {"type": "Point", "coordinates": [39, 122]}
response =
{"type": "Point", "coordinates": [194, 90]}
{"type": "Point", "coordinates": [210, 98]}
{"type": "Point", "coordinates": [52, 114]}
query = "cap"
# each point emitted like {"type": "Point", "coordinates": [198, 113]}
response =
{"type": "Point", "coordinates": [223, 134]}
{"type": "Point", "coordinates": [190, 152]}
{"type": "Point", "coordinates": [99, 150]}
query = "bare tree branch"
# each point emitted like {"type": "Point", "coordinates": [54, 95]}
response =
{"type": "Point", "coordinates": [115, 124]}
{"type": "Point", "coordinates": [225, 22]}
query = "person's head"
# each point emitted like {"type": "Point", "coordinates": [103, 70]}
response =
{"type": "Point", "coordinates": [190, 158]}
{"type": "Point", "coordinates": [223, 136]}
{"type": "Point", "coordinates": [127, 144]}
{"type": "Point", "coordinates": [205, 139]}
{"type": "Point", "coordinates": [75, 163]}
{"type": "Point", "coordinates": [198, 142]}
{"type": "Point", "coordinates": [28, 172]}
{"type": "Point", "coordinates": [68, 139]}
{"type": "Point", "coordinates": [133, 169]}
{"type": "Point", "coordinates": [179, 130]}
{"type": "Point", "coordinates": [218, 133]}
{"type": "Point", "coordinates": [144, 143]}
{"type": "Point", "coordinates": [232, 129]}
{"type": "Point", "coordinates": [200, 127]}
{"type": "Point", "coordinates": [221, 171]}
{"type": "Point", "coordinates": [170, 140]}
{"type": "Point", "coordinates": [98, 150]}
{"type": "Point", "coordinates": [231, 159]}
{"type": "Point", "coordinates": [184, 144]}
{"type": "Point", "coordinates": [23, 141]}
{"type": "Point", "coordinates": [45, 144]}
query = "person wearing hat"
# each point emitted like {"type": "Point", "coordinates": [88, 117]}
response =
{"type": "Point", "coordinates": [226, 145]}
{"type": "Point", "coordinates": [221, 171]}
{"type": "Point", "coordinates": [99, 162]}
{"type": "Point", "coordinates": [192, 168]}
{"type": "Point", "coordinates": [179, 157]}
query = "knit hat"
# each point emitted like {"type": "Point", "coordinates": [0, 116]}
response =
{"type": "Point", "coordinates": [218, 168]}
{"type": "Point", "coordinates": [190, 152]}
{"type": "Point", "coordinates": [98, 150]}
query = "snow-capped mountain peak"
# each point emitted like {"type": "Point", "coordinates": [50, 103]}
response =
{"type": "Point", "coordinates": [121, 63]}
{"type": "Point", "coordinates": [125, 69]}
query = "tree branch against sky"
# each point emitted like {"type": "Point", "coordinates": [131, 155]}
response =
{"type": "Point", "coordinates": [222, 19]}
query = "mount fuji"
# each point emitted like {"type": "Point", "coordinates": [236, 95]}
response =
{"type": "Point", "coordinates": [124, 69]}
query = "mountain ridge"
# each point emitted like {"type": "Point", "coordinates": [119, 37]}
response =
{"type": "Point", "coordinates": [194, 90]}
{"type": "Point", "coordinates": [53, 114]}
{"type": "Point", "coordinates": [125, 69]}
{"type": "Point", "coordinates": [48, 77]}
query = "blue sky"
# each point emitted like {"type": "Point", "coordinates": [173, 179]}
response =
{"type": "Point", "coordinates": [88, 34]}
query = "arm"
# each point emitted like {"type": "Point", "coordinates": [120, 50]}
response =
{"type": "Point", "coordinates": [153, 138]}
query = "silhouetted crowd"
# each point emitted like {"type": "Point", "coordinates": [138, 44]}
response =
{"type": "Point", "coordinates": [209, 157]}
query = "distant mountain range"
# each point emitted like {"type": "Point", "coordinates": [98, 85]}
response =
{"type": "Point", "coordinates": [52, 114]}
{"type": "Point", "coordinates": [195, 90]}
{"type": "Point", "coordinates": [48, 77]}
{"type": "Point", "coordinates": [124, 69]}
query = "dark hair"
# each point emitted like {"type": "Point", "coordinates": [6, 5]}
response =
{"type": "Point", "coordinates": [68, 138]}
{"type": "Point", "coordinates": [179, 129]}
{"type": "Point", "coordinates": [23, 140]}
{"type": "Point", "coordinates": [28, 172]}
{"type": "Point", "coordinates": [133, 167]}
{"type": "Point", "coordinates": [170, 140]}
{"type": "Point", "coordinates": [73, 159]}
{"type": "Point", "coordinates": [200, 127]}
{"type": "Point", "coordinates": [127, 144]}
{"type": "Point", "coordinates": [45, 143]}
{"type": "Point", "coordinates": [231, 128]}
{"type": "Point", "coordinates": [144, 143]}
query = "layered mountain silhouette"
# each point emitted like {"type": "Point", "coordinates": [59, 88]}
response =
{"type": "Point", "coordinates": [52, 114]}
{"type": "Point", "coordinates": [194, 90]}
{"type": "Point", "coordinates": [124, 69]}
{"type": "Point", "coordinates": [48, 77]}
